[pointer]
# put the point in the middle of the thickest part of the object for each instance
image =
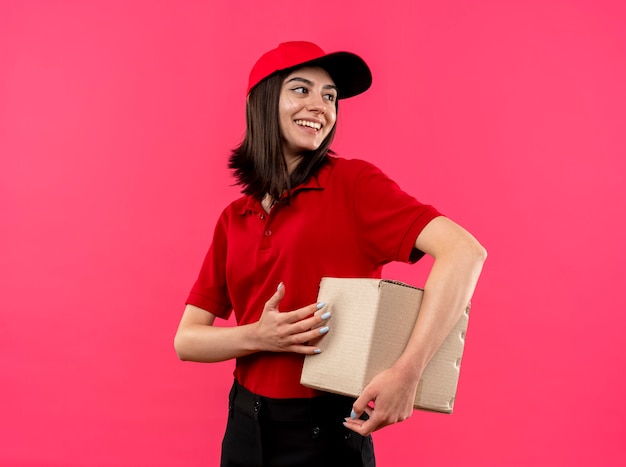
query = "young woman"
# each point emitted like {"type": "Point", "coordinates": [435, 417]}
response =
{"type": "Point", "coordinates": [306, 214]}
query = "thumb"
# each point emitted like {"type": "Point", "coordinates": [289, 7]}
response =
{"type": "Point", "coordinates": [361, 403]}
{"type": "Point", "coordinates": [273, 302]}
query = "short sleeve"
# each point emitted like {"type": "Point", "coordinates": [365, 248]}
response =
{"type": "Point", "coordinates": [210, 291]}
{"type": "Point", "coordinates": [388, 219]}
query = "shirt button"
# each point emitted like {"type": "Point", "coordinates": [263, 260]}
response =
{"type": "Point", "coordinates": [268, 233]}
{"type": "Point", "coordinates": [316, 431]}
{"type": "Point", "coordinates": [257, 406]}
{"type": "Point", "coordinates": [262, 216]}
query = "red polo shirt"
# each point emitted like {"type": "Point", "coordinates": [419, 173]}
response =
{"type": "Point", "coordinates": [348, 221]}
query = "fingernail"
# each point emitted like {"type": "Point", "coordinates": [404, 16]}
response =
{"type": "Point", "coordinates": [352, 414]}
{"type": "Point", "coordinates": [320, 305]}
{"type": "Point", "coordinates": [324, 330]}
{"type": "Point", "coordinates": [317, 351]}
{"type": "Point", "coordinates": [325, 315]}
{"type": "Point", "coordinates": [279, 287]}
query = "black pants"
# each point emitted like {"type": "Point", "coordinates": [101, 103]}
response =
{"type": "Point", "coordinates": [267, 432]}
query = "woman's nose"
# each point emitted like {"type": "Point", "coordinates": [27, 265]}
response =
{"type": "Point", "coordinates": [317, 103]}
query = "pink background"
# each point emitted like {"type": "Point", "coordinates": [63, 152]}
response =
{"type": "Point", "coordinates": [116, 119]}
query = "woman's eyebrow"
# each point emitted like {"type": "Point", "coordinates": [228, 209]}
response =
{"type": "Point", "coordinates": [308, 82]}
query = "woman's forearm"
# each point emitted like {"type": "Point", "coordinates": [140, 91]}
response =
{"type": "Point", "coordinates": [203, 342]}
{"type": "Point", "coordinates": [447, 293]}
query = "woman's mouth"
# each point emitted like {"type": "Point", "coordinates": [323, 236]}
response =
{"type": "Point", "coordinates": [315, 125]}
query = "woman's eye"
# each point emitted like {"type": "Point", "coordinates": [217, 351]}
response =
{"type": "Point", "coordinates": [331, 97]}
{"type": "Point", "coordinates": [300, 89]}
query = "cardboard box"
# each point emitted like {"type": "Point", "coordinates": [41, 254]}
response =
{"type": "Point", "coordinates": [372, 320]}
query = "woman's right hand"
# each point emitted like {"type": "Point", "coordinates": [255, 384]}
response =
{"type": "Point", "coordinates": [290, 331]}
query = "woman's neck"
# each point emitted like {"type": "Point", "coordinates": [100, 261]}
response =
{"type": "Point", "coordinates": [267, 202]}
{"type": "Point", "coordinates": [292, 162]}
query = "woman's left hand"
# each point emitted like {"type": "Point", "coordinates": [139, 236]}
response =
{"type": "Point", "coordinates": [392, 394]}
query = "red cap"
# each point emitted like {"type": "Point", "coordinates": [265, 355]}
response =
{"type": "Point", "coordinates": [350, 73]}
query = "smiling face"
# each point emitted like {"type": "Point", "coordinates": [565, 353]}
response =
{"type": "Point", "coordinates": [307, 111]}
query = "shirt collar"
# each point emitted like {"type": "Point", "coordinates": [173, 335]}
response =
{"type": "Point", "coordinates": [317, 182]}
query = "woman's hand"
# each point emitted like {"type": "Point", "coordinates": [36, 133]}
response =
{"type": "Point", "coordinates": [392, 393]}
{"type": "Point", "coordinates": [290, 331]}
{"type": "Point", "coordinates": [294, 331]}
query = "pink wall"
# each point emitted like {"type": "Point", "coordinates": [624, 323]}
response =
{"type": "Point", "coordinates": [115, 123]}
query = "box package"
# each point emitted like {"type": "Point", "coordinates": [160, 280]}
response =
{"type": "Point", "coordinates": [372, 320]}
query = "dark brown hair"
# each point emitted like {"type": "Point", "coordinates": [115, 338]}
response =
{"type": "Point", "coordinates": [258, 162]}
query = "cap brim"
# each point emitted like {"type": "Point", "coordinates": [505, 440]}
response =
{"type": "Point", "coordinates": [350, 73]}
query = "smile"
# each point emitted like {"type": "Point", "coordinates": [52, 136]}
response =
{"type": "Point", "coordinates": [314, 125]}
